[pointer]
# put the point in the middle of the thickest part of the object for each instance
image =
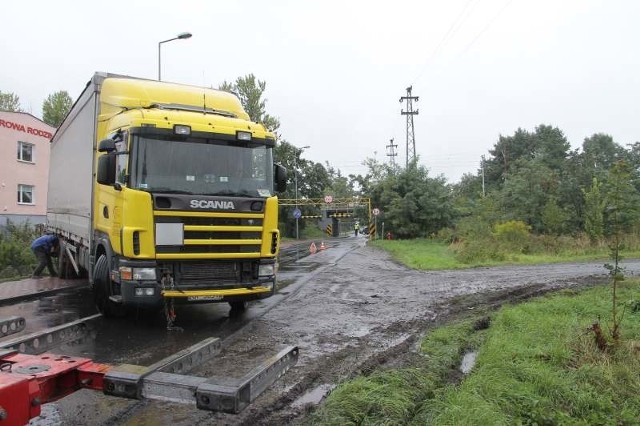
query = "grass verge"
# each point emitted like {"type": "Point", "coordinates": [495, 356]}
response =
{"type": "Point", "coordinates": [536, 364]}
{"type": "Point", "coordinates": [424, 254]}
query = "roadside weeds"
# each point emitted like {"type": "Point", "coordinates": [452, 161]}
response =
{"type": "Point", "coordinates": [536, 364]}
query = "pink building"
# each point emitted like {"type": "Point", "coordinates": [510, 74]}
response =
{"type": "Point", "coordinates": [24, 167]}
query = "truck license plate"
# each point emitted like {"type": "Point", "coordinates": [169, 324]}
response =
{"type": "Point", "coordinates": [204, 298]}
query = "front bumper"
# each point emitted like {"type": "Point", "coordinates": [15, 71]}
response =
{"type": "Point", "coordinates": [224, 295]}
{"type": "Point", "coordinates": [129, 296]}
{"type": "Point", "coordinates": [207, 288]}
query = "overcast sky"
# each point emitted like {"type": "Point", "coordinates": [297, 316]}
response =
{"type": "Point", "coordinates": [335, 70]}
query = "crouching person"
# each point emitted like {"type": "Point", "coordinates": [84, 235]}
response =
{"type": "Point", "coordinates": [44, 248]}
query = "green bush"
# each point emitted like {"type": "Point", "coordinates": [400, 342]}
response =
{"type": "Point", "coordinates": [16, 257]}
{"type": "Point", "coordinates": [446, 235]}
{"type": "Point", "coordinates": [513, 235]}
{"type": "Point", "coordinates": [479, 244]}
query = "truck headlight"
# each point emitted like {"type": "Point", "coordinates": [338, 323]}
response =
{"type": "Point", "coordinates": [128, 273]}
{"type": "Point", "coordinates": [266, 270]}
{"type": "Point", "coordinates": [144, 274]}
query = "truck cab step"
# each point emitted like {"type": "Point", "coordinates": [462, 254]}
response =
{"type": "Point", "coordinates": [116, 298]}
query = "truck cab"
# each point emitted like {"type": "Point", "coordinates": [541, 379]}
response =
{"type": "Point", "coordinates": [183, 204]}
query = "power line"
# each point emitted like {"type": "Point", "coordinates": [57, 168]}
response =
{"type": "Point", "coordinates": [453, 29]}
{"type": "Point", "coordinates": [482, 31]}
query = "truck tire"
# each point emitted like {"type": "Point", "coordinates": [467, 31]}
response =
{"type": "Point", "coordinates": [102, 288]}
{"type": "Point", "coordinates": [238, 307]}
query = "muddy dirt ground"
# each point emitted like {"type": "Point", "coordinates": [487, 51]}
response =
{"type": "Point", "coordinates": [349, 309]}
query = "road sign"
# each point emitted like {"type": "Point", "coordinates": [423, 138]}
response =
{"type": "Point", "coordinates": [376, 212]}
{"type": "Point", "coordinates": [328, 199]}
{"type": "Point", "coordinates": [297, 213]}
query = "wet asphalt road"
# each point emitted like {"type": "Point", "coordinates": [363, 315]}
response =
{"type": "Point", "coordinates": [341, 307]}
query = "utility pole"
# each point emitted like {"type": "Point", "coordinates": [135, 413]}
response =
{"type": "Point", "coordinates": [483, 176]}
{"type": "Point", "coordinates": [392, 153]}
{"type": "Point", "coordinates": [411, 137]}
{"type": "Point", "coordinates": [295, 179]}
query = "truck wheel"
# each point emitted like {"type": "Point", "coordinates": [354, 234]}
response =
{"type": "Point", "coordinates": [238, 307]}
{"type": "Point", "coordinates": [102, 288]}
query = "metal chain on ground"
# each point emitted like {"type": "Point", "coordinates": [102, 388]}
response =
{"type": "Point", "coordinates": [169, 305]}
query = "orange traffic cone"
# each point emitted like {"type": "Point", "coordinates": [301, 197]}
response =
{"type": "Point", "coordinates": [312, 248]}
{"type": "Point", "coordinates": [322, 246]}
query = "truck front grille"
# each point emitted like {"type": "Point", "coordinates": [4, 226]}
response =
{"type": "Point", "coordinates": [212, 234]}
{"type": "Point", "coordinates": [252, 248]}
{"type": "Point", "coordinates": [206, 270]}
{"type": "Point", "coordinates": [211, 274]}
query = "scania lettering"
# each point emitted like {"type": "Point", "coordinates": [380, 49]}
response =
{"type": "Point", "coordinates": [164, 193]}
{"type": "Point", "coordinates": [209, 204]}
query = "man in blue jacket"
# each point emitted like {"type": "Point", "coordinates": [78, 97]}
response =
{"type": "Point", "coordinates": [44, 247]}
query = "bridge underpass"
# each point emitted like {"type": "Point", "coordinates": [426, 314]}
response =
{"type": "Point", "coordinates": [336, 217]}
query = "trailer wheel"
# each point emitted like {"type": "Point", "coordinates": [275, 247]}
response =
{"type": "Point", "coordinates": [102, 288]}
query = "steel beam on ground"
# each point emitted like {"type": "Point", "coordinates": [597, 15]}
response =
{"type": "Point", "coordinates": [233, 396]}
{"type": "Point", "coordinates": [11, 325]}
{"type": "Point", "coordinates": [126, 380]}
{"type": "Point", "coordinates": [43, 341]}
{"type": "Point", "coordinates": [230, 395]}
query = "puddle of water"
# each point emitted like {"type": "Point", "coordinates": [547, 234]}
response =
{"type": "Point", "coordinates": [468, 361]}
{"type": "Point", "coordinates": [314, 396]}
{"type": "Point", "coordinates": [359, 332]}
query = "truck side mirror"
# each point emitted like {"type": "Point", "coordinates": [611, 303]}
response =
{"type": "Point", "coordinates": [107, 145]}
{"type": "Point", "coordinates": [106, 173]}
{"type": "Point", "coordinates": [280, 175]}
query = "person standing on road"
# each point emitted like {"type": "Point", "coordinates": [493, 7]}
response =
{"type": "Point", "coordinates": [356, 228]}
{"type": "Point", "coordinates": [44, 247]}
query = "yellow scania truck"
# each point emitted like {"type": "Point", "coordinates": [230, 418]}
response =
{"type": "Point", "coordinates": [163, 193]}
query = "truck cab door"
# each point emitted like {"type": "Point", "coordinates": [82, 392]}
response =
{"type": "Point", "coordinates": [111, 179]}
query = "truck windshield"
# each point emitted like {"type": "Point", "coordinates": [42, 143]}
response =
{"type": "Point", "coordinates": [201, 166]}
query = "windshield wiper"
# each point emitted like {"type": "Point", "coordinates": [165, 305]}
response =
{"type": "Point", "coordinates": [229, 192]}
{"type": "Point", "coordinates": [170, 191]}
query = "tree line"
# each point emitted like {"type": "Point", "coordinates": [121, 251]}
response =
{"type": "Point", "coordinates": [531, 180]}
{"type": "Point", "coordinates": [54, 108]}
{"type": "Point", "coordinates": [531, 176]}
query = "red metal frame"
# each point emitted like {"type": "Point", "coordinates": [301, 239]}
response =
{"type": "Point", "coordinates": [28, 381]}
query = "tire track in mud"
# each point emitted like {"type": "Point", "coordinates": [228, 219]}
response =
{"type": "Point", "coordinates": [356, 311]}
{"type": "Point", "coordinates": [394, 344]}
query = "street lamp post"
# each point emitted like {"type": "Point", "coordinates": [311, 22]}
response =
{"type": "Point", "coordinates": [295, 180]}
{"type": "Point", "coordinates": [180, 36]}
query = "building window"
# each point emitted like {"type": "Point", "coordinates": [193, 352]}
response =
{"type": "Point", "coordinates": [25, 151]}
{"type": "Point", "coordinates": [25, 194]}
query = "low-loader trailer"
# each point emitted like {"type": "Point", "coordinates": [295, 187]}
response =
{"type": "Point", "coordinates": [162, 192]}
